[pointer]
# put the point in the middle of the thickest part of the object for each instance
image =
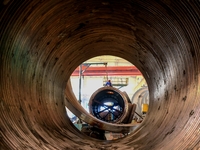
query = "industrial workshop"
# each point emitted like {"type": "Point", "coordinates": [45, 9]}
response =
{"type": "Point", "coordinates": [100, 75]}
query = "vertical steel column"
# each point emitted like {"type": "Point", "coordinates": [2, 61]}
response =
{"type": "Point", "coordinates": [80, 80]}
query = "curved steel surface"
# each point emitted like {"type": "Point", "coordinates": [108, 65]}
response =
{"type": "Point", "coordinates": [98, 98]}
{"type": "Point", "coordinates": [72, 103]}
{"type": "Point", "coordinates": [43, 41]}
{"type": "Point", "coordinates": [141, 96]}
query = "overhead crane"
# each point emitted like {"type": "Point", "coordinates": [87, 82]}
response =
{"type": "Point", "coordinates": [111, 70]}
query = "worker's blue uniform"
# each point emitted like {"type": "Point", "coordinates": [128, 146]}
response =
{"type": "Point", "coordinates": [108, 83]}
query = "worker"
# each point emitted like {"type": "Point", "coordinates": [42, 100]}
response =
{"type": "Point", "coordinates": [108, 83]}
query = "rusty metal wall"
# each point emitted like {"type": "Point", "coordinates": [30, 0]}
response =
{"type": "Point", "coordinates": [43, 41]}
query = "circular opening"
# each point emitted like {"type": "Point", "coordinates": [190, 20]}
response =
{"type": "Point", "coordinates": [112, 106]}
{"type": "Point", "coordinates": [107, 105]}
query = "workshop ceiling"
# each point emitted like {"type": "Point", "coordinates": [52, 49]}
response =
{"type": "Point", "coordinates": [111, 60]}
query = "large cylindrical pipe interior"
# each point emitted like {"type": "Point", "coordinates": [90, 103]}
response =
{"type": "Point", "coordinates": [42, 42]}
